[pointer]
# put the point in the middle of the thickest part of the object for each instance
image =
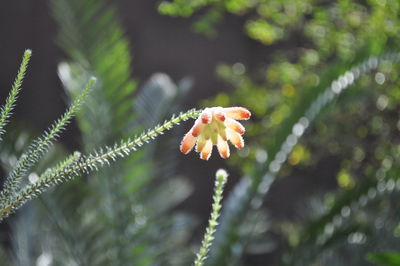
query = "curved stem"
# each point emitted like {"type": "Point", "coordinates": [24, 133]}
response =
{"type": "Point", "coordinates": [80, 165]}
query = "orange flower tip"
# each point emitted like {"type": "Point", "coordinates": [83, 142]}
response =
{"type": "Point", "coordinates": [197, 128]}
{"type": "Point", "coordinates": [223, 148]}
{"type": "Point", "coordinates": [205, 156]}
{"type": "Point", "coordinates": [245, 113]}
{"type": "Point", "coordinates": [237, 140]}
{"type": "Point", "coordinates": [235, 126]}
{"type": "Point", "coordinates": [187, 143]}
{"type": "Point", "coordinates": [206, 118]}
{"type": "Point", "coordinates": [238, 113]}
{"type": "Point", "coordinates": [220, 116]}
{"type": "Point", "coordinates": [224, 154]}
{"type": "Point", "coordinates": [185, 149]}
{"type": "Point", "coordinates": [239, 145]}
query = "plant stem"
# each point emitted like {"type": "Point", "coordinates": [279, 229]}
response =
{"type": "Point", "coordinates": [220, 180]}
{"type": "Point", "coordinates": [90, 163]}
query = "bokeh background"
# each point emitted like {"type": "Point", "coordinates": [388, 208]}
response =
{"type": "Point", "coordinates": [273, 57]}
{"type": "Point", "coordinates": [158, 43]}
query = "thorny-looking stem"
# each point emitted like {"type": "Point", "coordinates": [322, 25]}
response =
{"type": "Point", "coordinates": [7, 108]}
{"type": "Point", "coordinates": [40, 146]}
{"type": "Point", "coordinates": [91, 163]}
{"type": "Point", "coordinates": [220, 181]}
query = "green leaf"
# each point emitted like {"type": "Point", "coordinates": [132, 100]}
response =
{"type": "Point", "coordinates": [387, 258]}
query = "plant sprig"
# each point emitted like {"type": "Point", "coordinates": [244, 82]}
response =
{"type": "Point", "coordinates": [221, 177]}
{"type": "Point", "coordinates": [7, 108]}
{"type": "Point", "coordinates": [41, 145]}
{"type": "Point", "coordinates": [76, 165]}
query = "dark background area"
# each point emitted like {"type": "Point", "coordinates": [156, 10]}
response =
{"type": "Point", "coordinates": [158, 44]}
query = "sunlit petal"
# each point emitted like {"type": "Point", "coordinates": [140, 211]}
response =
{"type": "Point", "coordinates": [197, 128]}
{"type": "Point", "coordinates": [207, 150]}
{"type": "Point", "coordinates": [187, 143]}
{"type": "Point", "coordinates": [220, 116]}
{"type": "Point", "coordinates": [201, 142]}
{"type": "Point", "coordinates": [235, 138]}
{"type": "Point", "coordinates": [237, 113]}
{"type": "Point", "coordinates": [206, 116]}
{"type": "Point", "coordinates": [223, 148]}
{"type": "Point", "coordinates": [235, 126]}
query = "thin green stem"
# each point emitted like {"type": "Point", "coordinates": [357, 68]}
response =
{"type": "Point", "coordinates": [41, 145]}
{"type": "Point", "coordinates": [220, 180]}
{"type": "Point", "coordinates": [6, 109]}
{"type": "Point", "coordinates": [77, 165]}
{"type": "Point", "coordinates": [125, 148]}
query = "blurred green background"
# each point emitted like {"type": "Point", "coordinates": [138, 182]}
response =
{"type": "Point", "coordinates": [334, 199]}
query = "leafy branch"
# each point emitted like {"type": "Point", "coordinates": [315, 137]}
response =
{"type": "Point", "coordinates": [220, 181]}
{"type": "Point", "coordinates": [76, 165]}
{"type": "Point", "coordinates": [6, 110]}
{"type": "Point", "coordinates": [41, 145]}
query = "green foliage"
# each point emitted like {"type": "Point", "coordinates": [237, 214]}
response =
{"type": "Point", "coordinates": [221, 177]}
{"type": "Point", "coordinates": [6, 110]}
{"type": "Point", "coordinates": [205, 24]}
{"type": "Point", "coordinates": [91, 36]}
{"type": "Point", "coordinates": [123, 215]}
{"type": "Point", "coordinates": [77, 164]}
{"type": "Point", "coordinates": [315, 42]}
{"type": "Point", "coordinates": [288, 134]}
{"type": "Point", "coordinates": [181, 7]}
{"type": "Point", "coordinates": [12, 196]}
{"type": "Point", "coordinates": [385, 258]}
{"type": "Point", "coordinates": [348, 216]}
{"type": "Point", "coordinates": [36, 150]}
{"type": "Point", "coordinates": [121, 195]}
{"type": "Point", "coordinates": [263, 31]}
{"type": "Point", "coordinates": [342, 25]}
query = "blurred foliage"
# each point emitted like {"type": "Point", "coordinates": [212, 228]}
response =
{"type": "Point", "coordinates": [311, 42]}
{"type": "Point", "coordinates": [125, 203]}
{"type": "Point", "coordinates": [335, 25]}
{"type": "Point", "coordinates": [385, 258]}
{"type": "Point", "coordinates": [109, 217]}
{"type": "Point", "coordinates": [316, 52]}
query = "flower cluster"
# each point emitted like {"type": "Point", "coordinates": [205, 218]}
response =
{"type": "Point", "coordinates": [215, 126]}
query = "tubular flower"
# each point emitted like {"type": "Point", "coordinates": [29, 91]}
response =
{"type": "Point", "coordinates": [215, 126]}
